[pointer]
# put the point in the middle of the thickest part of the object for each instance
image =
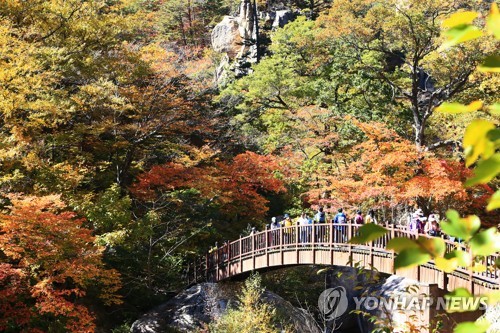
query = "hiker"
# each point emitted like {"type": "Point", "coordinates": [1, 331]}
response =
{"type": "Point", "coordinates": [320, 216]}
{"type": "Point", "coordinates": [302, 223]}
{"type": "Point", "coordinates": [370, 218]}
{"type": "Point", "coordinates": [340, 230]}
{"type": "Point", "coordinates": [287, 232]}
{"type": "Point", "coordinates": [417, 222]}
{"type": "Point", "coordinates": [432, 227]}
{"type": "Point", "coordinates": [275, 232]}
{"type": "Point", "coordinates": [358, 219]}
{"type": "Point", "coordinates": [320, 230]}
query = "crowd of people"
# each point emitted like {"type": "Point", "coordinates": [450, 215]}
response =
{"type": "Point", "coordinates": [321, 217]}
{"type": "Point", "coordinates": [417, 222]}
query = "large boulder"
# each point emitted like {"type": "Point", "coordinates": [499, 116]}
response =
{"type": "Point", "coordinates": [226, 37]}
{"type": "Point", "coordinates": [240, 39]}
{"type": "Point", "coordinates": [202, 303]}
{"type": "Point", "coordinates": [282, 18]}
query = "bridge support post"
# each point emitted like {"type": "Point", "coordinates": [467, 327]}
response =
{"type": "Point", "coordinates": [428, 313]}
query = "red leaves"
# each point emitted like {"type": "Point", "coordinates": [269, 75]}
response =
{"type": "Point", "coordinates": [52, 261]}
{"type": "Point", "coordinates": [236, 186]}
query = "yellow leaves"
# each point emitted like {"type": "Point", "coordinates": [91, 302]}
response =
{"type": "Point", "coordinates": [446, 265]}
{"type": "Point", "coordinates": [460, 28]}
{"type": "Point", "coordinates": [494, 201]}
{"type": "Point", "coordinates": [475, 141]}
{"type": "Point", "coordinates": [453, 108]}
{"type": "Point", "coordinates": [493, 21]}
{"type": "Point", "coordinates": [461, 34]}
{"type": "Point", "coordinates": [460, 18]}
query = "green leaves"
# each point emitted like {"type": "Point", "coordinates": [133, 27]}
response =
{"type": "Point", "coordinates": [434, 246]}
{"type": "Point", "coordinates": [476, 142]}
{"type": "Point", "coordinates": [413, 253]}
{"type": "Point", "coordinates": [471, 327]}
{"type": "Point", "coordinates": [411, 257]}
{"type": "Point", "coordinates": [462, 228]}
{"type": "Point", "coordinates": [461, 33]}
{"type": "Point", "coordinates": [485, 171]}
{"type": "Point", "coordinates": [494, 201]}
{"type": "Point", "coordinates": [491, 64]}
{"type": "Point", "coordinates": [367, 233]}
{"type": "Point", "coordinates": [495, 109]}
{"type": "Point", "coordinates": [486, 242]}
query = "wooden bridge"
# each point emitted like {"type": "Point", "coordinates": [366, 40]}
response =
{"type": "Point", "coordinates": [327, 244]}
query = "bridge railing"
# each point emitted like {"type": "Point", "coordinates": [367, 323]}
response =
{"type": "Point", "coordinates": [316, 236]}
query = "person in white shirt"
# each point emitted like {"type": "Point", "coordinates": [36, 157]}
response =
{"type": "Point", "coordinates": [302, 222]}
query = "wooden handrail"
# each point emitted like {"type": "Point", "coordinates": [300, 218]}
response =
{"type": "Point", "coordinates": [319, 236]}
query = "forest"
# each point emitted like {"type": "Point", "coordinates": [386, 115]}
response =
{"type": "Point", "coordinates": [134, 136]}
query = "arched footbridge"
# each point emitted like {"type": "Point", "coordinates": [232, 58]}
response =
{"type": "Point", "coordinates": [327, 244]}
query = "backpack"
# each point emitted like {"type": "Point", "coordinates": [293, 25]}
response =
{"type": "Point", "coordinates": [341, 218]}
{"type": "Point", "coordinates": [359, 219]}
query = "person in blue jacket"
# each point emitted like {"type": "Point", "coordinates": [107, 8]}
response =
{"type": "Point", "coordinates": [340, 234]}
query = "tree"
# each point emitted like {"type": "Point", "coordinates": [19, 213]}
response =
{"type": "Point", "coordinates": [398, 43]}
{"type": "Point", "coordinates": [386, 170]}
{"type": "Point", "coordinates": [236, 187]}
{"type": "Point", "coordinates": [252, 315]}
{"type": "Point", "coordinates": [82, 106]}
{"type": "Point", "coordinates": [50, 267]}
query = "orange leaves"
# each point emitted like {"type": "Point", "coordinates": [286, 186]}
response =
{"type": "Point", "coordinates": [52, 261]}
{"type": "Point", "coordinates": [236, 186]}
{"type": "Point", "coordinates": [388, 170]}
{"type": "Point", "coordinates": [14, 310]}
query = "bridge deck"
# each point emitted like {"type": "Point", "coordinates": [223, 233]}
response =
{"type": "Point", "coordinates": [326, 244]}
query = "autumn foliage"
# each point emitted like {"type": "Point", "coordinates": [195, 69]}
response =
{"type": "Point", "coordinates": [49, 266]}
{"type": "Point", "coordinates": [236, 186]}
{"type": "Point", "coordinates": [386, 170]}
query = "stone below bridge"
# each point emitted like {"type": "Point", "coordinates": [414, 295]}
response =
{"type": "Point", "coordinates": [202, 303]}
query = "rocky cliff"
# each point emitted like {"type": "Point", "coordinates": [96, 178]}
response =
{"type": "Point", "coordinates": [242, 38]}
